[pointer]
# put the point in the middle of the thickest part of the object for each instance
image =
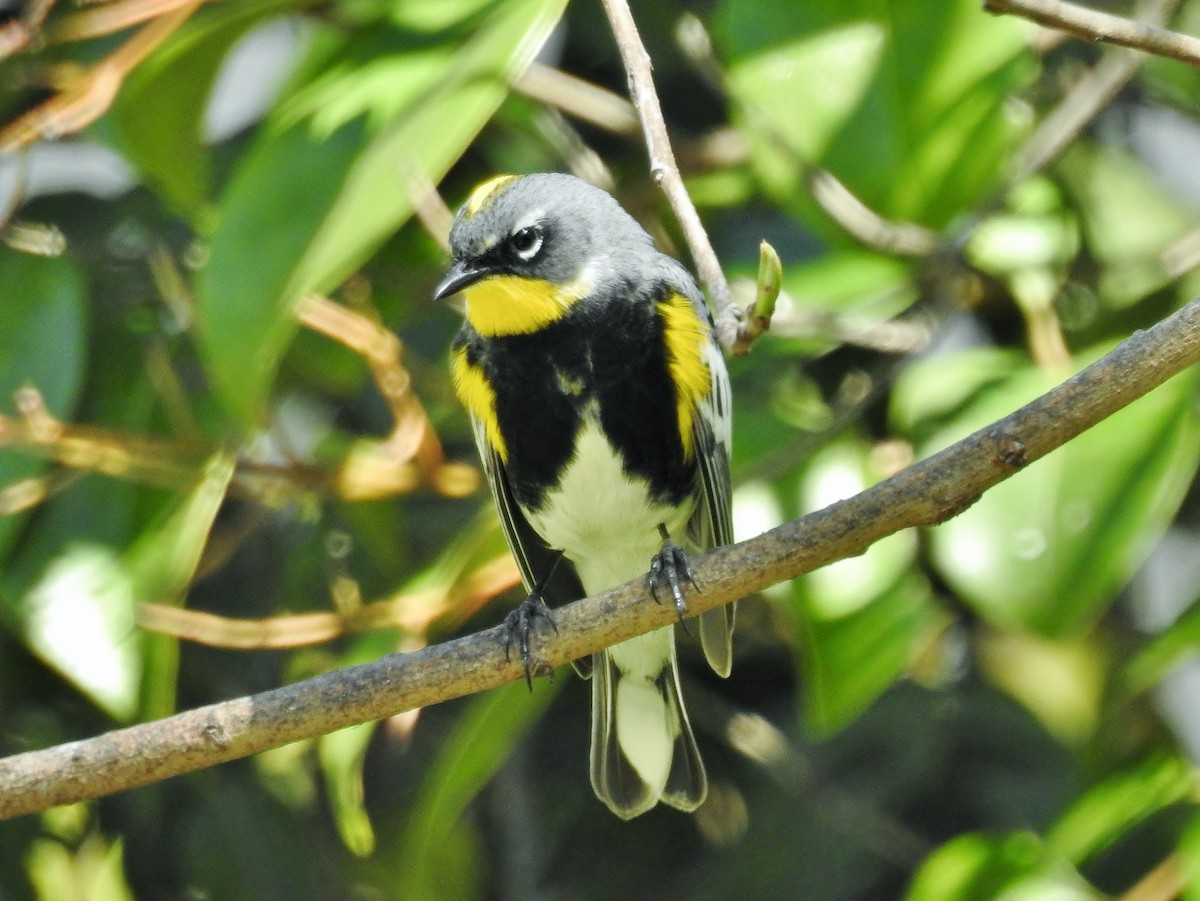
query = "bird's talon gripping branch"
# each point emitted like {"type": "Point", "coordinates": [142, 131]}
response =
{"type": "Point", "coordinates": [518, 626]}
{"type": "Point", "coordinates": [669, 569]}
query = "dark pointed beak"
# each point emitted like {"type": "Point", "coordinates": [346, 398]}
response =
{"type": "Point", "coordinates": [461, 275]}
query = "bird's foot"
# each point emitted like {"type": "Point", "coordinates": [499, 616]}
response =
{"type": "Point", "coordinates": [669, 570]}
{"type": "Point", "coordinates": [519, 625]}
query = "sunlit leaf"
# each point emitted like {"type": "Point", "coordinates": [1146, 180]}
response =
{"type": "Point", "coordinates": [1061, 682]}
{"type": "Point", "coordinates": [57, 869]}
{"type": "Point", "coordinates": [912, 117]}
{"type": "Point", "coordinates": [310, 203]}
{"type": "Point", "coordinates": [1014, 867]}
{"type": "Point", "coordinates": [1189, 859]}
{"type": "Point", "coordinates": [1110, 809]}
{"type": "Point", "coordinates": [80, 613]}
{"type": "Point", "coordinates": [862, 616]}
{"type": "Point", "coordinates": [1048, 548]}
{"type": "Point", "coordinates": [160, 110]}
{"type": "Point", "coordinates": [79, 617]}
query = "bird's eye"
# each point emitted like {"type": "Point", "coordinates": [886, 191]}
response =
{"type": "Point", "coordinates": [526, 242]}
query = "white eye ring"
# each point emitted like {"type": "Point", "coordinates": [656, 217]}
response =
{"type": "Point", "coordinates": [526, 242]}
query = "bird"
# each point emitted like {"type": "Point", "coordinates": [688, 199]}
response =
{"type": "Point", "coordinates": [601, 409]}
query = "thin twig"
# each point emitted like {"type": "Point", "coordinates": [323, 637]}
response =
{"type": "Point", "coordinates": [110, 18]}
{"type": "Point", "coordinates": [92, 92]}
{"type": "Point", "coordinates": [863, 223]}
{"type": "Point", "coordinates": [1086, 99]}
{"type": "Point", "coordinates": [665, 170]}
{"type": "Point", "coordinates": [831, 194]}
{"type": "Point", "coordinates": [928, 492]}
{"type": "Point", "coordinates": [572, 95]}
{"type": "Point", "coordinates": [1165, 882]}
{"type": "Point", "coordinates": [1093, 25]}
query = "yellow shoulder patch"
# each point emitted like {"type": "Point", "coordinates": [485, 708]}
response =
{"type": "Point", "coordinates": [480, 196]}
{"type": "Point", "coordinates": [685, 335]}
{"type": "Point", "coordinates": [478, 397]}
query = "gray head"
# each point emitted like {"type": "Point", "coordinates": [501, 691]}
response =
{"type": "Point", "coordinates": [548, 226]}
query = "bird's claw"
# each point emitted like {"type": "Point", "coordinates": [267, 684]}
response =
{"type": "Point", "coordinates": [518, 626]}
{"type": "Point", "coordinates": [670, 568]}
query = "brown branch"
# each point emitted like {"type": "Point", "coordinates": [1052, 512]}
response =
{"type": "Point", "coordinates": [1093, 25]}
{"type": "Point", "coordinates": [1086, 99]}
{"type": "Point", "coordinates": [110, 18]}
{"type": "Point", "coordinates": [1165, 882]}
{"type": "Point", "coordinates": [665, 170]}
{"type": "Point", "coordinates": [864, 224]}
{"type": "Point", "coordinates": [579, 98]}
{"type": "Point", "coordinates": [89, 94]}
{"type": "Point", "coordinates": [925, 493]}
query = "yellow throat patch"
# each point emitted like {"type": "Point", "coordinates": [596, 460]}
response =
{"type": "Point", "coordinates": [512, 305]}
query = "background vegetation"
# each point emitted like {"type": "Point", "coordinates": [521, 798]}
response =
{"type": "Point", "coordinates": [1001, 705]}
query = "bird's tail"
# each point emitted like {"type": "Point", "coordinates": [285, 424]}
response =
{"type": "Point", "coordinates": [643, 749]}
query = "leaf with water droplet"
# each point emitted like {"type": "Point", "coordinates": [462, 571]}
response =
{"type": "Point", "coordinates": [1049, 549]}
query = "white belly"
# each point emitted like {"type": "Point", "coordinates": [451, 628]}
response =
{"type": "Point", "coordinates": [602, 518]}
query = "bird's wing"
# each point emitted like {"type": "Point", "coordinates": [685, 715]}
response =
{"type": "Point", "coordinates": [534, 558]}
{"type": "Point", "coordinates": [711, 524]}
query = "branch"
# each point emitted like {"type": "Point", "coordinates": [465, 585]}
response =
{"type": "Point", "coordinates": [1086, 98]}
{"type": "Point", "coordinates": [89, 94]}
{"type": "Point", "coordinates": [925, 493]}
{"type": "Point", "coordinates": [665, 170]}
{"type": "Point", "coordinates": [1093, 25]}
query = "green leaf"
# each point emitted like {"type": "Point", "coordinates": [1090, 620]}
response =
{"type": "Point", "coordinates": [164, 559]}
{"type": "Point", "coordinates": [341, 754]}
{"type": "Point", "coordinates": [311, 202]}
{"type": "Point", "coordinates": [1128, 219]}
{"type": "Point", "coordinates": [861, 616]}
{"type": "Point", "coordinates": [1048, 549]}
{"type": "Point", "coordinates": [910, 112]}
{"type": "Point", "coordinates": [850, 660]}
{"type": "Point", "coordinates": [43, 344]}
{"type": "Point", "coordinates": [1013, 867]}
{"type": "Point", "coordinates": [1168, 649]}
{"type": "Point", "coordinates": [160, 109]}
{"type": "Point", "coordinates": [439, 855]}
{"type": "Point", "coordinates": [79, 616]}
{"type": "Point", "coordinates": [1127, 214]}
{"type": "Point", "coordinates": [56, 868]}
{"type": "Point", "coordinates": [1114, 807]}
{"type": "Point", "coordinates": [932, 393]}
{"type": "Point", "coordinates": [161, 565]}
{"type": "Point", "coordinates": [80, 612]}
{"type": "Point", "coordinates": [1189, 859]}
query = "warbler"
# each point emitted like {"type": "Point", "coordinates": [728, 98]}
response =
{"type": "Point", "coordinates": [601, 409]}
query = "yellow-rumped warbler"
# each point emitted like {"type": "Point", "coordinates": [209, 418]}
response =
{"type": "Point", "coordinates": [601, 408]}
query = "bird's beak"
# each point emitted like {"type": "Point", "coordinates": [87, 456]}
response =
{"type": "Point", "coordinates": [461, 275]}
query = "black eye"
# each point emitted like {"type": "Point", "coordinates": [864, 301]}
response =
{"type": "Point", "coordinates": [526, 242]}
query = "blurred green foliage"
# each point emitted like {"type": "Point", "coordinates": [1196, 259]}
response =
{"type": "Point", "coordinates": [1002, 706]}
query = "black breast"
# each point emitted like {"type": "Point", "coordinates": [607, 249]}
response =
{"type": "Point", "coordinates": [607, 360]}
